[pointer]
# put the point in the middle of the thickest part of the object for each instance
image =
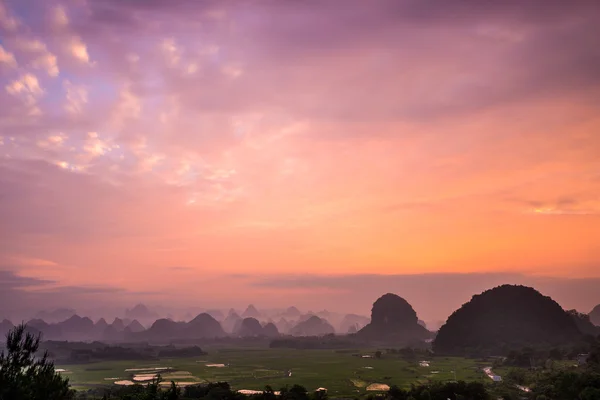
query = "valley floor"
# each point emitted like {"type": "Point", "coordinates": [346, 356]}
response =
{"type": "Point", "coordinates": [341, 372]}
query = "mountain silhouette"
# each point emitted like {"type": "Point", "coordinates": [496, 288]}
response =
{"type": "Point", "coordinates": [583, 323]}
{"type": "Point", "coordinates": [99, 328]}
{"type": "Point", "coordinates": [270, 330]}
{"type": "Point", "coordinates": [165, 328]}
{"type": "Point", "coordinates": [203, 326]}
{"type": "Point", "coordinates": [283, 325]}
{"type": "Point", "coordinates": [250, 327]}
{"type": "Point", "coordinates": [393, 319]}
{"type": "Point", "coordinates": [118, 325]}
{"type": "Point", "coordinates": [251, 312]}
{"type": "Point", "coordinates": [135, 326]}
{"type": "Point", "coordinates": [5, 327]}
{"type": "Point", "coordinates": [48, 331]}
{"type": "Point", "coordinates": [313, 326]}
{"type": "Point", "coordinates": [232, 322]}
{"type": "Point", "coordinates": [595, 315]}
{"type": "Point", "coordinates": [292, 313]}
{"type": "Point", "coordinates": [140, 311]}
{"type": "Point", "coordinates": [505, 317]}
{"type": "Point", "coordinates": [54, 316]}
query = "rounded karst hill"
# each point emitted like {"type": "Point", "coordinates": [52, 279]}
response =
{"type": "Point", "coordinates": [270, 330]}
{"type": "Point", "coordinates": [504, 318]}
{"type": "Point", "coordinates": [250, 327]}
{"type": "Point", "coordinates": [393, 319]}
{"type": "Point", "coordinates": [595, 315]}
{"type": "Point", "coordinates": [204, 326]}
{"type": "Point", "coordinates": [313, 326]}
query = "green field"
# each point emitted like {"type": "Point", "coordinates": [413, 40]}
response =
{"type": "Point", "coordinates": [338, 371]}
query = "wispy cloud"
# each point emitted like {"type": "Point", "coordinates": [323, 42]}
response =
{"type": "Point", "coordinates": [222, 139]}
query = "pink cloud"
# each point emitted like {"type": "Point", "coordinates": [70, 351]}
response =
{"type": "Point", "coordinates": [228, 138]}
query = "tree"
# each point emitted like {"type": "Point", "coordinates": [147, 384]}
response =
{"type": "Point", "coordinates": [516, 376]}
{"type": "Point", "coordinates": [23, 375]}
{"type": "Point", "coordinates": [590, 393]}
{"type": "Point", "coordinates": [296, 392]}
{"type": "Point", "coordinates": [378, 354]}
{"type": "Point", "coordinates": [555, 354]}
{"type": "Point", "coordinates": [395, 393]}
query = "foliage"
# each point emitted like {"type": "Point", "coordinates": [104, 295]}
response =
{"type": "Point", "coordinates": [567, 385]}
{"type": "Point", "coordinates": [441, 391]}
{"type": "Point", "coordinates": [584, 324]}
{"type": "Point", "coordinates": [23, 375]}
{"type": "Point", "coordinates": [210, 391]}
{"type": "Point", "coordinates": [151, 391]}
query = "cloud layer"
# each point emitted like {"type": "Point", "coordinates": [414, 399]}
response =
{"type": "Point", "coordinates": [155, 145]}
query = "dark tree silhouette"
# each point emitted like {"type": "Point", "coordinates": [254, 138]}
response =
{"type": "Point", "coordinates": [23, 375]}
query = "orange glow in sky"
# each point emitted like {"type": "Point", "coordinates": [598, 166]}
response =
{"type": "Point", "coordinates": [182, 152]}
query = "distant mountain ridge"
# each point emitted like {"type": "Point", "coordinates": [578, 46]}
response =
{"type": "Point", "coordinates": [393, 321]}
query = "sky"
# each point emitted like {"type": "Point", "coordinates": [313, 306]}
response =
{"type": "Point", "coordinates": [220, 153]}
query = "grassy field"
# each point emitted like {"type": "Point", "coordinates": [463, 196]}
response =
{"type": "Point", "coordinates": [338, 371]}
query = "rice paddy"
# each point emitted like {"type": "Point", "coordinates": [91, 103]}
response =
{"type": "Point", "coordinates": [249, 370]}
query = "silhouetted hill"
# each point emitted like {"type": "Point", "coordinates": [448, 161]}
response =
{"type": "Point", "coordinates": [393, 320]}
{"type": "Point", "coordinates": [232, 323]}
{"type": "Point", "coordinates": [54, 316]}
{"type": "Point", "coordinates": [353, 322]}
{"type": "Point", "coordinates": [270, 330]}
{"type": "Point", "coordinates": [583, 323]}
{"type": "Point", "coordinates": [283, 325]}
{"type": "Point", "coordinates": [99, 328]}
{"type": "Point", "coordinates": [250, 327]}
{"type": "Point", "coordinates": [164, 328]}
{"type": "Point", "coordinates": [38, 324]}
{"type": "Point", "coordinates": [111, 334]}
{"type": "Point", "coordinates": [135, 326]}
{"type": "Point", "coordinates": [76, 328]}
{"type": "Point", "coordinates": [5, 327]}
{"type": "Point", "coordinates": [77, 324]}
{"type": "Point", "coordinates": [203, 326]}
{"type": "Point", "coordinates": [251, 312]}
{"type": "Point", "coordinates": [305, 317]}
{"type": "Point", "coordinates": [118, 325]}
{"type": "Point", "coordinates": [313, 326]}
{"type": "Point", "coordinates": [140, 312]}
{"type": "Point", "coordinates": [48, 331]}
{"type": "Point", "coordinates": [595, 315]}
{"type": "Point", "coordinates": [292, 313]}
{"type": "Point", "coordinates": [505, 317]}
